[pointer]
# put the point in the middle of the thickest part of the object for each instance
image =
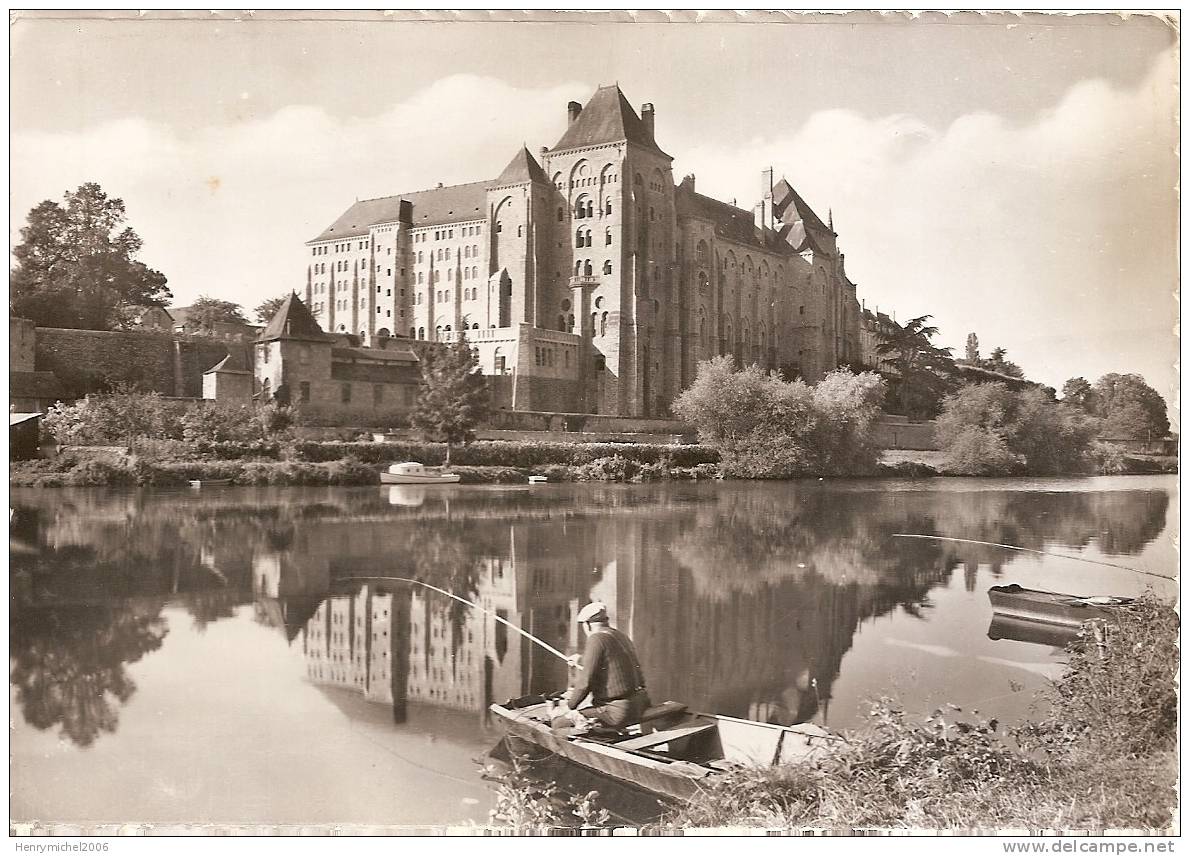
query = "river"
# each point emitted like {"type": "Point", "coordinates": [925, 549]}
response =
{"type": "Point", "coordinates": [203, 656]}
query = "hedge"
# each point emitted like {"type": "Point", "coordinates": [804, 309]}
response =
{"type": "Point", "coordinates": [496, 453]}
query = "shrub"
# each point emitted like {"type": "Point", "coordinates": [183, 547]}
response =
{"type": "Point", "coordinates": [989, 429]}
{"type": "Point", "coordinates": [120, 417]}
{"type": "Point", "coordinates": [1108, 458]}
{"type": "Point", "coordinates": [504, 453]}
{"type": "Point", "coordinates": [765, 427]}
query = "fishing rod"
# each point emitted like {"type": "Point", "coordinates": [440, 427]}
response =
{"type": "Point", "coordinates": [1040, 552]}
{"type": "Point", "coordinates": [524, 633]}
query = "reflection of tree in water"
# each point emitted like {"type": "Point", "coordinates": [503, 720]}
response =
{"type": "Point", "coordinates": [68, 663]}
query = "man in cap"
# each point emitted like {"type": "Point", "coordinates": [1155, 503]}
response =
{"type": "Point", "coordinates": [610, 674]}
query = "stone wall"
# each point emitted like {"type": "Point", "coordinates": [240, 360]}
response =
{"type": "Point", "coordinates": [897, 432]}
{"type": "Point", "coordinates": [20, 344]}
{"type": "Point", "coordinates": [90, 360]}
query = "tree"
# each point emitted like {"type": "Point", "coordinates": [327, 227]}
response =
{"type": "Point", "coordinates": [1078, 392]}
{"type": "Point", "coordinates": [765, 427]}
{"type": "Point", "coordinates": [1130, 408]}
{"type": "Point", "coordinates": [972, 354]}
{"type": "Point", "coordinates": [990, 429]}
{"type": "Point", "coordinates": [206, 312]}
{"type": "Point", "coordinates": [452, 396]}
{"type": "Point", "coordinates": [75, 266]}
{"type": "Point", "coordinates": [922, 371]}
{"type": "Point", "coordinates": [998, 363]}
{"type": "Point", "coordinates": [266, 310]}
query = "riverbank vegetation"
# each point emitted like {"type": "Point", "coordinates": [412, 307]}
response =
{"type": "Point", "coordinates": [766, 427]}
{"type": "Point", "coordinates": [1100, 753]}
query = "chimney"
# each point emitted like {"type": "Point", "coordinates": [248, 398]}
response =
{"type": "Point", "coordinates": [689, 180]}
{"type": "Point", "coordinates": [766, 183]}
{"type": "Point", "coordinates": [572, 111]}
{"type": "Point", "coordinates": [545, 150]}
{"type": "Point", "coordinates": [646, 116]}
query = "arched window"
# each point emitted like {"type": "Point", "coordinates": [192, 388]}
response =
{"type": "Point", "coordinates": [520, 233]}
{"type": "Point", "coordinates": [466, 252]}
{"type": "Point", "coordinates": [580, 208]}
{"type": "Point", "coordinates": [499, 226]}
{"type": "Point", "coordinates": [419, 257]}
{"type": "Point", "coordinates": [561, 322]}
{"type": "Point", "coordinates": [421, 333]}
{"type": "Point", "coordinates": [466, 273]}
{"type": "Point", "coordinates": [450, 274]}
{"type": "Point", "coordinates": [474, 326]}
{"type": "Point", "coordinates": [570, 323]}
{"type": "Point", "coordinates": [590, 208]}
{"type": "Point", "coordinates": [437, 275]}
{"type": "Point", "coordinates": [447, 328]}
{"type": "Point", "coordinates": [608, 208]}
{"type": "Point", "coordinates": [603, 324]}
{"type": "Point", "coordinates": [594, 321]}
{"type": "Point", "coordinates": [561, 214]}
{"type": "Point", "coordinates": [412, 332]}
{"type": "Point", "coordinates": [587, 268]}
{"type": "Point", "coordinates": [578, 267]}
{"type": "Point", "coordinates": [607, 237]}
{"type": "Point", "coordinates": [607, 266]}
{"type": "Point", "coordinates": [578, 237]}
{"type": "Point", "coordinates": [438, 333]}
{"type": "Point", "coordinates": [421, 278]}
{"type": "Point", "coordinates": [598, 302]}
{"type": "Point", "coordinates": [475, 251]}
{"type": "Point", "coordinates": [587, 234]}
{"type": "Point", "coordinates": [700, 252]}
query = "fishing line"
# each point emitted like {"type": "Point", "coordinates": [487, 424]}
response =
{"type": "Point", "coordinates": [1040, 552]}
{"type": "Point", "coordinates": [524, 633]}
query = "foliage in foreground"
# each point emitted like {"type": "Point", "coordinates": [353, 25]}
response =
{"type": "Point", "coordinates": [452, 397]}
{"type": "Point", "coordinates": [765, 427]}
{"type": "Point", "coordinates": [1102, 757]}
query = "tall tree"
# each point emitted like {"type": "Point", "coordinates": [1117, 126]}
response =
{"type": "Point", "coordinates": [972, 353]}
{"type": "Point", "coordinates": [999, 362]}
{"type": "Point", "coordinates": [1079, 393]}
{"type": "Point", "coordinates": [922, 372]}
{"type": "Point", "coordinates": [452, 397]}
{"type": "Point", "coordinates": [206, 312]}
{"type": "Point", "coordinates": [268, 308]}
{"type": "Point", "coordinates": [75, 266]}
{"type": "Point", "coordinates": [1130, 407]}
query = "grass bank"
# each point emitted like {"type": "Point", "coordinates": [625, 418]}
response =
{"type": "Point", "coordinates": [1101, 755]}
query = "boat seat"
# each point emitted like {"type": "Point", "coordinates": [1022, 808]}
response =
{"type": "Point", "coordinates": [666, 708]}
{"type": "Point", "coordinates": [657, 738]}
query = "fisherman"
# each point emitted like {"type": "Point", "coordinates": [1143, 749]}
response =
{"type": "Point", "coordinates": [610, 673]}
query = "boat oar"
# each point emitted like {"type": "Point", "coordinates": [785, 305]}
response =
{"type": "Point", "coordinates": [1040, 552]}
{"type": "Point", "coordinates": [506, 623]}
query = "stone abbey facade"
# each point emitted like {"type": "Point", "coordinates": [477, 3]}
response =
{"type": "Point", "coordinates": [588, 277]}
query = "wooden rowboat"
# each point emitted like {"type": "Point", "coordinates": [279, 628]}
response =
{"type": "Point", "coordinates": [671, 753]}
{"type": "Point", "coordinates": [1051, 607]}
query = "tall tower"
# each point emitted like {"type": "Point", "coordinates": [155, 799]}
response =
{"type": "Point", "coordinates": [615, 213]}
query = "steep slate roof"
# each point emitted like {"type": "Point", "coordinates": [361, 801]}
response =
{"type": "Point", "coordinates": [293, 321]}
{"type": "Point", "coordinates": [234, 363]}
{"type": "Point", "coordinates": [607, 118]}
{"type": "Point", "coordinates": [453, 204]}
{"type": "Point", "coordinates": [388, 355]}
{"type": "Point", "coordinates": [805, 228]}
{"type": "Point", "coordinates": [730, 222]}
{"type": "Point", "coordinates": [521, 169]}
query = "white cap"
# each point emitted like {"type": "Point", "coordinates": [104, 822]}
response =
{"type": "Point", "coordinates": [593, 611]}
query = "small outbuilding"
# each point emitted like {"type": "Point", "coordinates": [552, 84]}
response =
{"type": "Point", "coordinates": [24, 436]}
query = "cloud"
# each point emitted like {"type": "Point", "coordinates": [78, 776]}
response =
{"type": "Point", "coordinates": [1054, 238]}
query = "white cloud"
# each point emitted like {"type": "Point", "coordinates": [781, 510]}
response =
{"type": "Point", "coordinates": [1055, 239]}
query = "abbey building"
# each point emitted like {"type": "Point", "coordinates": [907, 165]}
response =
{"type": "Point", "coordinates": [587, 279]}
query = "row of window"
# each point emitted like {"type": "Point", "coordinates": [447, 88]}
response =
{"type": "Point", "coordinates": [377, 393]}
{"type": "Point", "coordinates": [582, 237]}
{"type": "Point", "coordinates": [447, 234]}
{"type": "Point", "coordinates": [548, 357]}
{"type": "Point", "coordinates": [583, 267]}
{"type": "Point", "coordinates": [584, 209]}
{"type": "Point", "coordinates": [468, 273]}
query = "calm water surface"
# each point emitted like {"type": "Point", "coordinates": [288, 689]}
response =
{"type": "Point", "coordinates": [207, 656]}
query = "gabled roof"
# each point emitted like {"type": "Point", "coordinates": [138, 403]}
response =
{"type": "Point", "coordinates": [453, 204]}
{"type": "Point", "coordinates": [730, 222]}
{"type": "Point", "coordinates": [293, 321]}
{"type": "Point", "coordinates": [607, 118]}
{"type": "Point", "coordinates": [806, 229]}
{"type": "Point", "coordinates": [521, 169]}
{"type": "Point", "coordinates": [234, 362]}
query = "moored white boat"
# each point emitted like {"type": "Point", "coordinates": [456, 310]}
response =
{"type": "Point", "coordinates": [411, 472]}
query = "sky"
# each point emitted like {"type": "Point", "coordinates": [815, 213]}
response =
{"type": "Point", "coordinates": [1013, 176]}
